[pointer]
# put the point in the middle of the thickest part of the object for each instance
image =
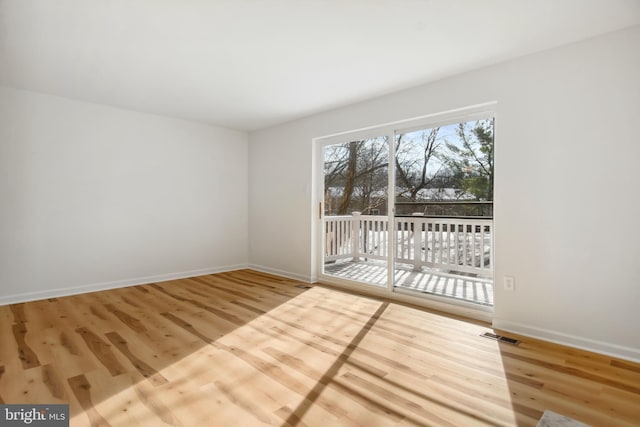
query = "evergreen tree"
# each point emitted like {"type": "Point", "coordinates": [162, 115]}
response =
{"type": "Point", "coordinates": [472, 160]}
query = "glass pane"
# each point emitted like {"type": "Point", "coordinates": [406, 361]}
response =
{"type": "Point", "coordinates": [444, 211]}
{"type": "Point", "coordinates": [355, 216]}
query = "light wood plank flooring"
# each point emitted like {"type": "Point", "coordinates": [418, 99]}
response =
{"type": "Point", "coordinates": [250, 349]}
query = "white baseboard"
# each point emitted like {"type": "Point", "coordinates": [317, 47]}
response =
{"type": "Point", "coordinates": [306, 279]}
{"type": "Point", "coordinates": [609, 349]}
{"type": "Point", "coordinates": [63, 292]}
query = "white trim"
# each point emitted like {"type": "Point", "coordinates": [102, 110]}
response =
{"type": "Point", "coordinates": [459, 116]}
{"type": "Point", "coordinates": [600, 347]}
{"type": "Point", "coordinates": [390, 129]}
{"type": "Point", "coordinates": [103, 286]}
{"type": "Point", "coordinates": [288, 274]}
{"type": "Point", "coordinates": [441, 117]}
{"type": "Point", "coordinates": [392, 237]}
{"type": "Point", "coordinates": [448, 301]}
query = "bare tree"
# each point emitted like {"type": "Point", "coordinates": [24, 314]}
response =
{"type": "Point", "coordinates": [454, 161]}
{"type": "Point", "coordinates": [412, 172]}
{"type": "Point", "coordinates": [351, 175]}
{"type": "Point", "coordinates": [372, 182]}
{"type": "Point", "coordinates": [335, 162]}
{"type": "Point", "coordinates": [355, 172]}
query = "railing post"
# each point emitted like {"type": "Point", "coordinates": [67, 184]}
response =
{"type": "Point", "coordinates": [355, 235]}
{"type": "Point", "coordinates": [417, 244]}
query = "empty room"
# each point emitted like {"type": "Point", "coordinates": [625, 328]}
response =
{"type": "Point", "coordinates": [319, 213]}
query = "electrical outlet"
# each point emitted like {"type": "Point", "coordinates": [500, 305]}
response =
{"type": "Point", "coordinates": [509, 283]}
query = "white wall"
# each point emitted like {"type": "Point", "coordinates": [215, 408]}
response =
{"type": "Point", "coordinates": [567, 201]}
{"type": "Point", "coordinates": [94, 197]}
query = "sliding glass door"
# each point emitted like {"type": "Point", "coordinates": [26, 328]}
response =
{"type": "Point", "coordinates": [444, 211]}
{"type": "Point", "coordinates": [409, 208]}
{"type": "Point", "coordinates": [355, 210]}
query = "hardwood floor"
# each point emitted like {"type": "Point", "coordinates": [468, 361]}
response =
{"type": "Point", "coordinates": [247, 349]}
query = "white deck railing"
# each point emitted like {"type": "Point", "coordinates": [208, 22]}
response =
{"type": "Point", "coordinates": [449, 244]}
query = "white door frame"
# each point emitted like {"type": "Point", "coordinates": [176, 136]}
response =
{"type": "Point", "coordinates": [319, 145]}
{"type": "Point", "coordinates": [390, 130]}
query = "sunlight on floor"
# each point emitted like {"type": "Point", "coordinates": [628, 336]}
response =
{"type": "Point", "coordinates": [464, 288]}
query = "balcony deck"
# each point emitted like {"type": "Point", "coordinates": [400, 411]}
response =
{"type": "Point", "coordinates": [464, 288]}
